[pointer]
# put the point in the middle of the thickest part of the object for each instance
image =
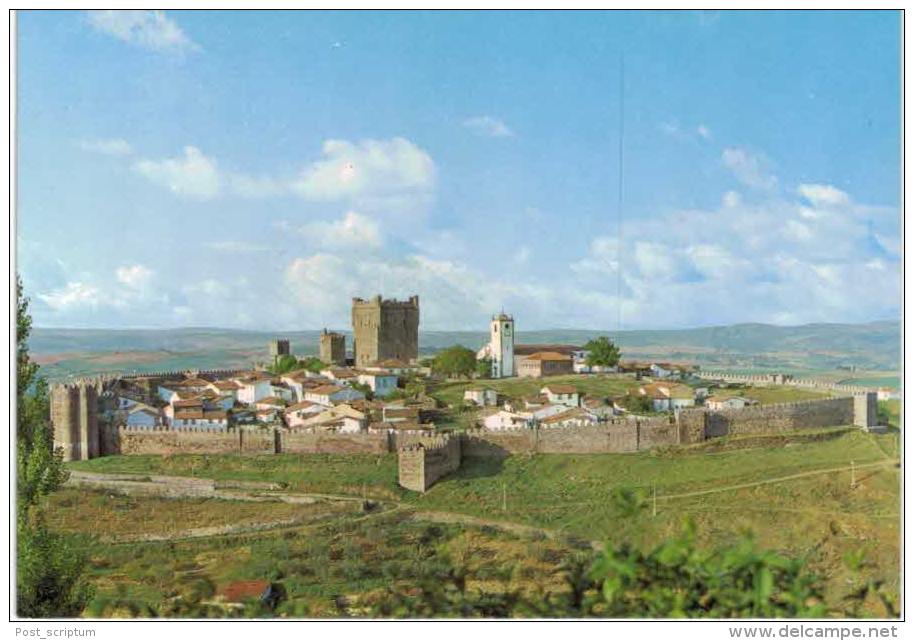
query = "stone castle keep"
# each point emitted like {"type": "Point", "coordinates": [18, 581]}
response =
{"type": "Point", "coordinates": [385, 329]}
{"type": "Point", "coordinates": [332, 348]}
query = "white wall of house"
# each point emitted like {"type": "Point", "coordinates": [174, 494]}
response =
{"type": "Point", "coordinates": [381, 384]}
{"type": "Point", "coordinates": [199, 423]}
{"type": "Point", "coordinates": [568, 399]}
{"type": "Point", "coordinates": [141, 418]}
{"type": "Point", "coordinates": [253, 392]}
{"type": "Point", "coordinates": [504, 420]}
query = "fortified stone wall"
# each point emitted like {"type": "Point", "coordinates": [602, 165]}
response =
{"type": "Point", "coordinates": [783, 379]}
{"type": "Point", "coordinates": [421, 464]}
{"type": "Point", "coordinates": [303, 443]}
{"type": "Point", "coordinates": [780, 417]}
{"type": "Point", "coordinates": [164, 441]}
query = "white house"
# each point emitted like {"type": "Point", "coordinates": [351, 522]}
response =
{"type": "Point", "coordinates": [223, 388]}
{"type": "Point", "coordinates": [271, 402]}
{"type": "Point", "coordinates": [140, 415]}
{"type": "Point", "coordinates": [661, 370]}
{"type": "Point", "coordinates": [353, 420]}
{"type": "Point", "coordinates": [341, 375]}
{"type": "Point", "coordinates": [727, 402]}
{"type": "Point", "coordinates": [566, 395]}
{"type": "Point", "coordinates": [168, 390]}
{"type": "Point", "coordinates": [546, 411]}
{"type": "Point", "coordinates": [296, 415]}
{"type": "Point", "coordinates": [282, 390]}
{"type": "Point", "coordinates": [332, 394]}
{"type": "Point", "coordinates": [253, 387]}
{"type": "Point", "coordinates": [498, 420]}
{"type": "Point", "coordinates": [200, 419]}
{"type": "Point", "coordinates": [394, 366]}
{"type": "Point", "coordinates": [381, 383]}
{"type": "Point", "coordinates": [668, 396]}
{"type": "Point", "coordinates": [887, 394]}
{"type": "Point", "coordinates": [481, 396]}
{"type": "Point", "coordinates": [573, 417]}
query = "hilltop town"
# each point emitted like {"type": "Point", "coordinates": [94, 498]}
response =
{"type": "Point", "coordinates": [379, 389]}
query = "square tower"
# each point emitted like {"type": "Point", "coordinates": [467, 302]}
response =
{"type": "Point", "coordinates": [385, 329]}
{"type": "Point", "coordinates": [333, 348]}
{"type": "Point", "coordinates": [502, 346]}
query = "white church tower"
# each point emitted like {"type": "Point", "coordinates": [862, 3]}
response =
{"type": "Point", "coordinates": [501, 346]}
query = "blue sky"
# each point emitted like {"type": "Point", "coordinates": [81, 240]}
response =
{"type": "Point", "coordinates": [258, 169]}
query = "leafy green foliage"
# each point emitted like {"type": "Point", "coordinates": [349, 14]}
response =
{"type": "Point", "coordinates": [637, 403]}
{"type": "Point", "coordinates": [675, 579]}
{"type": "Point", "coordinates": [678, 579]}
{"type": "Point", "coordinates": [288, 363]}
{"type": "Point", "coordinates": [602, 352]}
{"type": "Point", "coordinates": [50, 579]}
{"type": "Point", "coordinates": [455, 361]}
{"type": "Point", "coordinates": [484, 368]}
{"type": "Point", "coordinates": [49, 572]}
{"type": "Point", "coordinates": [364, 388]}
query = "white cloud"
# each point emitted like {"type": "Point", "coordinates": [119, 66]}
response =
{"type": "Point", "coordinates": [376, 172]}
{"type": "Point", "coordinates": [732, 199]}
{"type": "Point", "coordinates": [674, 130]}
{"type": "Point", "coordinates": [748, 168]}
{"type": "Point", "coordinates": [235, 246]}
{"type": "Point", "coordinates": [133, 276]}
{"type": "Point", "coordinates": [192, 175]}
{"type": "Point", "coordinates": [256, 186]}
{"type": "Point", "coordinates": [107, 146]}
{"type": "Point", "coordinates": [823, 195]}
{"type": "Point", "coordinates": [353, 229]}
{"type": "Point", "coordinates": [455, 296]}
{"type": "Point", "coordinates": [782, 261]}
{"type": "Point", "coordinates": [151, 30]}
{"type": "Point", "coordinates": [73, 295]}
{"type": "Point", "coordinates": [488, 126]}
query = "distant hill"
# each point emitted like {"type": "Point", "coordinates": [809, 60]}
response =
{"type": "Point", "coordinates": [822, 346]}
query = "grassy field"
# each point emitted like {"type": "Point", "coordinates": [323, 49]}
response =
{"type": "Point", "coordinates": [121, 517]}
{"type": "Point", "coordinates": [345, 560]}
{"type": "Point", "coordinates": [776, 393]}
{"type": "Point", "coordinates": [451, 392]}
{"type": "Point", "coordinates": [793, 491]}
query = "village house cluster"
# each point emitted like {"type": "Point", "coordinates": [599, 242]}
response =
{"type": "Point", "coordinates": [335, 398]}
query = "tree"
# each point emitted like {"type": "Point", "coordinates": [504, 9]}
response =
{"type": "Point", "coordinates": [484, 368]}
{"type": "Point", "coordinates": [602, 352]}
{"type": "Point", "coordinates": [455, 361]}
{"type": "Point", "coordinates": [313, 364]}
{"type": "Point", "coordinates": [637, 403]}
{"type": "Point", "coordinates": [284, 364]}
{"type": "Point", "coordinates": [50, 580]}
{"type": "Point", "coordinates": [364, 388]}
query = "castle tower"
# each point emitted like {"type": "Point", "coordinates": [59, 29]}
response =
{"type": "Point", "coordinates": [74, 417]}
{"type": "Point", "coordinates": [279, 347]}
{"type": "Point", "coordinates": [333, 348]}
{"type": "Point", "coordinates": [501, 345]}
{"type": "Point", "coordinates": [385, 329]}
{"type": "Point", "coordinates": [65, 419]}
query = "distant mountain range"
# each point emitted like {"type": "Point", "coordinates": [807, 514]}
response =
{"type": "Point", "coordinates": [821, 346]}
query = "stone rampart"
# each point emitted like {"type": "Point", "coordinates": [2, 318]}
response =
{"type": "Point", "coordinates": [420, 465]}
